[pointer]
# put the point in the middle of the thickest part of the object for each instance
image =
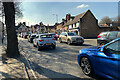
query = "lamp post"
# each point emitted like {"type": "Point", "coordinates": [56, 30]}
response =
{"type": "Point", "coordinates": [56, 17]}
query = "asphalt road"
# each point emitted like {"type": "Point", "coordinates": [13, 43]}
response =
{"type": "Point", "coordinates": [56, 63]}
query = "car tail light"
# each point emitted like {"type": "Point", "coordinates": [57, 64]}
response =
{"type": "Point", "coordinates": [41, 40]}
{"type": "Point", "coordinates": [99, 36]}
{"type": "Point", "coordinates": [54, 35]}
{"type": "Point", "coordinates": [53, 39]}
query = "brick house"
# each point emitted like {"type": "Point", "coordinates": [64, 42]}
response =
{"type": "Point", "coordinates": [84, 24]}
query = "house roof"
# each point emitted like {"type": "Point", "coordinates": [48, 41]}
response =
{"type": "Point", "coordinates": [76, 18]}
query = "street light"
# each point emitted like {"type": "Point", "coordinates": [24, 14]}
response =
{"type": "Point", "coordinates": [56, 17]}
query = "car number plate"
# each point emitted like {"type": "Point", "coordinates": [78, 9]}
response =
{"type": "Point", "coordinates": [79, 41]}
{"type": "Point", "coordinates": [49, 44]}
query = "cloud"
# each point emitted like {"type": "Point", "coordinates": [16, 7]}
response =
{"type": "Point", "coordinates": [82, 6]}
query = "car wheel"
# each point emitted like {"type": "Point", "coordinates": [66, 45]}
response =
{"type": "Point", "coordinates": [54, 47]}
{"type": "Point", "coordinates": [80, 43]}
{"type": "Point", "coordinates": [33, 45]}
{"type": "Point", "coordinates": [60, 40]}
{"type": "Point", "coordinates": [86, 66]}
{"type": "Point", "coordinates": [68, 41]}
{"type": "Point", "coordinates": [39, 48]}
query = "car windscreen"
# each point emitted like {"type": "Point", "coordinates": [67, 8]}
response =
{"type": "Point", "coordinates": [46, 36]}
{"type": "Point", "coordinates": [33, 36]}
{"type": "Point", "coordinates": [52, 34]}
{"type": "Point", "coordinates": [71, 34]}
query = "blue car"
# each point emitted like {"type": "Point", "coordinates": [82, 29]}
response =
{"type": "Point", "coordinates": [103, 61]}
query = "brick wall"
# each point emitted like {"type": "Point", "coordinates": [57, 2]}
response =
{"type": "Point", "coordinates": [89, 25]}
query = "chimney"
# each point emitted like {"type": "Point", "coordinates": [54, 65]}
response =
{"type": "Point", "coordinates": [68, 17]}
{"type": "Point", "coordinates": [24, 23]}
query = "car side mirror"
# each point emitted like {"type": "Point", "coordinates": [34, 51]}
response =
{"type": "Point", "coordinates": [101, 49]}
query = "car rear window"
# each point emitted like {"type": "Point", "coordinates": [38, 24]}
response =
{"type": "Point", "coordinates": [46, 36]}
{"type": "Point", "coordinates": [113, 34]}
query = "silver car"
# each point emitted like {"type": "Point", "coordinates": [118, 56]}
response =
{"type": "Point", "coordinates": [43, 41]}
{"type": "Point", "coordinates": [70, 37]}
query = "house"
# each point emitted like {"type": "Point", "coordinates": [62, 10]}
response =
{"type": "Point", "coordinates": [84, 24]}
{"type": "Point", "coordinates": [39, 28]}
{"type": "Point", "coordinates": [52, 29]}
{"type": "Point", "coordinates": [22, 28]}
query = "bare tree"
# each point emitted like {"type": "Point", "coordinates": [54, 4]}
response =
{"type": "Point", "coordinates": [106, 20]}
{"type": "Point", "coordinates": [12, 42]}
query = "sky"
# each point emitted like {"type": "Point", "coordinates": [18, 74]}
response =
{"type": "Point", "coordinates": [36, 12]}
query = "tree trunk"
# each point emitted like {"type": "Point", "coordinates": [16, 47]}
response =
{"type": "Point", "coordinates": [12, 42]}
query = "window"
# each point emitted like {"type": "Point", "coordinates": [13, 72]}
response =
{"type": "Point", "coordinates": [70, 26]}
{"type": "Point", "coordinates": [64, 34]}
{"type": "Point", "coordinates": [113, 34]}
{"type": "Point", "coordinates": [71, 34]}
{"type": "Point", "coordinates": [46, 36]}
{"type": "Point", "coordinates": [113, 48]}
{"type": "Point", "coordinates": [77, 24]}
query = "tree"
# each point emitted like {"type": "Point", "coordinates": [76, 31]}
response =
{"type": "Point", "coordinates": [12, 42]}
{"type": "Point", "coordinates": [105, 20]}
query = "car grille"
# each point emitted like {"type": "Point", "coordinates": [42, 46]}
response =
{"type": "Point", "coordinates": [78, 39]}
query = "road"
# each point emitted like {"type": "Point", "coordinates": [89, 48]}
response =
{"type": "Point", "coordinates": [58, 63]}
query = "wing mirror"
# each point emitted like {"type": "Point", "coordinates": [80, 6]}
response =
{"type": "Point", "coordinates": [101, 49]}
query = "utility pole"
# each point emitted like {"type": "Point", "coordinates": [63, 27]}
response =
{"type": "Point", "coordinates": [56, 17]}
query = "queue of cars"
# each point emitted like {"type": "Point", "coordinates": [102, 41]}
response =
{"type": "Point", "coordinates": [102, 60]}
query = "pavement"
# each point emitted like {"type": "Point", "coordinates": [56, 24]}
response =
{"type": "Point", "coordinates": [10, 67]}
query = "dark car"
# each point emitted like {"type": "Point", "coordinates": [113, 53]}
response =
{"type": "Point", "coordinates": [102, 61]}
{"type": "Point", "coordinates": [25, 36]}
{"type": "Point", "coordinates": [106, 37]}
{"type": "Point", "coordinates": [32, 36]}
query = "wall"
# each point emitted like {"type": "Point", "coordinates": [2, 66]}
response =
{"type": "Point", "coordinates": [89, 26]}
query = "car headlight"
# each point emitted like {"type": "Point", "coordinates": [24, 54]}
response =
{"type": "Point", "coordinates": [73, 38]}
{"type": "Point", "coordinates": [80, 51]}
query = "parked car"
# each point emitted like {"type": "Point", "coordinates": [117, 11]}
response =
{"type": "Point", "coordinates": [44, 40]}
{"type": "Point", "coordinates": [28, 37]}
{"type": "Point", "coordinates": [32, 36]}
{"type": "Point", "coordinates": [103, 61]}
{"type": "Point", "coordinates": [106, 37]}
{"type": "Point", "coordinates": [54, 35]}
{"type": "Point", "coordinates": [70, 37]}
{"type": "Point", "coordinates": [25, 36]}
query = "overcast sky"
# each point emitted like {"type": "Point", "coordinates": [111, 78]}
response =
{"type": "Point", "coordinates": [36, 12]}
